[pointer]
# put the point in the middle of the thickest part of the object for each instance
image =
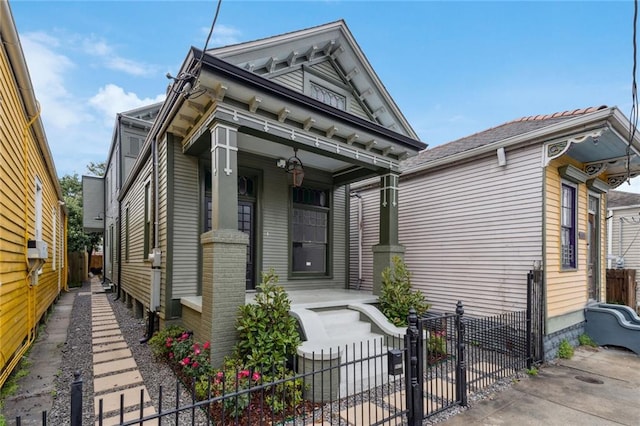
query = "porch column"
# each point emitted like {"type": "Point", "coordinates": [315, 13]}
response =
{"type": "Point", "coordinates": [224, 247]}
{"type": "Point", "coordinates": [388, 245]}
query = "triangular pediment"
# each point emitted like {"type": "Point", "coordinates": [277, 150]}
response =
{"type": "Point", "coordinates": [324, 62]}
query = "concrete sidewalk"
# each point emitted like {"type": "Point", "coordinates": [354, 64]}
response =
{"type": "Point", "coordinates": [596, 387]}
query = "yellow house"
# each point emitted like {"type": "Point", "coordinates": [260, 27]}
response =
{"type": "Point", "coordinates": [32, 212]}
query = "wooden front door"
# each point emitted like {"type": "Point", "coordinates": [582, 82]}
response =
{"type": "Point", "coordinates": [593, 253]}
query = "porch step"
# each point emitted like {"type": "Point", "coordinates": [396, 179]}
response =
{"type": "Point", "coordinates": [344, 325]}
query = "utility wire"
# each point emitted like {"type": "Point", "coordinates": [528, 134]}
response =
{"type": "Point", "coordinates": [633, 117]}
{"type": "Point", "coordinates": [213, 24]}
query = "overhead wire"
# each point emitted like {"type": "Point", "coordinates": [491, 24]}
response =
{"type": "Point", "coordinates": [633, 116]}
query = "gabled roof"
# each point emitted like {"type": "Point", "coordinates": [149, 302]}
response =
{"type": "Point", "coordinates": [495, 134]}
{"type": "Point", "coordinates": [146, 113]}
{"type": "Point", "coordinates": [617, 199]}
{"type": "Point", "coordinates": [273, 56]}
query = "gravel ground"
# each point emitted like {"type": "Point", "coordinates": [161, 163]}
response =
{"type": "Point", "coordinates": [77, 356]}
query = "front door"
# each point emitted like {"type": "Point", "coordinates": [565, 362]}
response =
{"type": "Point", "coordinates": [593, 262]}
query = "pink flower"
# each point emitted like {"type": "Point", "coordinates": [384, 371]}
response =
{"type": "Point", "coordinates": [171, 355]}
{"type": "Point", "coordinates": [219, 376]}
{"type": "Point", "coordinates": [243, 374]}
{"type": "Point", "coordinates": [255, 376]}
{"type": "Point", "coordinates": [184, 336]}
{"type": "Point", "coordinates": [195, 364]}
{"type": "Point", "coordinates": [185, 361]}
{"type": "Point", "coordinates": [206, 345]}
{"type": "Point", "coordinates": [169, 342]}
{"type": "Point", "coordinates": [196, 351]}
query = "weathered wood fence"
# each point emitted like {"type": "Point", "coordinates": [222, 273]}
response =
{"type": "Point", "coordinates": [621, 287]}
{"type": "Point", "coordinates": [78, 271]}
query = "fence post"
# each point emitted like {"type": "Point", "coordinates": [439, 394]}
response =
{"type": "Point", "coordinates": [76, 400]}
{"type": "Point", "coordinates": [528, 338]}
{"type": "Point", "coordinates": [461, 367]}
{"type": "Point", "coordinates": [414, 382]}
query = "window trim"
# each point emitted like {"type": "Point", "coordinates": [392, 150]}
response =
{"type": "Point", "coordinates": [312, 76]}
{"type": "Point", "coordinates": [328, 273]}
{"type": "Point", "coordinates": [573, 229]}
{"type": "Point", "coordinates": [54, 237]}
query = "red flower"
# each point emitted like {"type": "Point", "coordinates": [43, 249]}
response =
{"type": "Point", "coordinates": [195, 364]}
{"type": "Point", "coordinates": [171, 355]}
{"type": "Point", "coordinates": [169, 342]}
{"type": "Point", "coordinates": [255, 376]}
{"type": "Point", "coordinates": [243, 374]}
{"type": "Point", "coordinates": [185, 361]}
{"type": "Point", "coordinates": [206, 345]}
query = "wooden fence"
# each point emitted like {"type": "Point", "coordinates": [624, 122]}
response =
{"type": "Point", "coordinates": [621, 287]}
{"type": "Point", "coordinates": [78, 271]}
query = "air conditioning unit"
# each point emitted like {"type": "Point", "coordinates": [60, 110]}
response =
{"type": "Point", "coordinates": [37, 249]}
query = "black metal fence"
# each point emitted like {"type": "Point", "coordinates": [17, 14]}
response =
{"type": "Point", "coordinates": [392, 380]}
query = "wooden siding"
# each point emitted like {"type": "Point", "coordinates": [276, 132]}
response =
{"type": "Point", "coordinates": [630, 248]}
{"type": "Point", "coordinates": [471, 232]}
{"type": "Point", "coordinates": [186, 224]}
{"type": "Point", "coordinates": [163, 215]}
{"type": "Point", "coordinates": [22, 305]}
{"type": "Point", "coordinates": [566, 290]}
{"type": "Point", "coordinates": [136, 272]}
{"type": "Point", "coordinates": [293, 80]}
{"type": "Point", "coordinates": [273, 209]}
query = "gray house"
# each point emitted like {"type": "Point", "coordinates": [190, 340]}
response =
{"type": "Point", "coordinates": [247, 168]}
{"type": "Point", "coordinates": [102, 210]}
{"type": "Point", "coordinates": [478, 213]}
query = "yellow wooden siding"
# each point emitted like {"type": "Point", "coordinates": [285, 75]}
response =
{"type": "Point", "coordinates": [22, 305]}
{"type": "Point", "coordinates": [566, 290]}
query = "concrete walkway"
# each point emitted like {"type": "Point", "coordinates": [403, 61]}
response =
{"type": "Point", "coordinates": [115, 371]}
{"type": "Point", "coordinates": [596, 387]}
{"type": "Point", "coordinates": [36, 391]}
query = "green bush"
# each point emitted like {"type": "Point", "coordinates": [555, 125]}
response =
{"type": "Point", "coordinates": [397, 297]}
{"type": "Point", "coordinates": [565, 350]}
{"type": "Point", "coordinates": [585, 340]}
{"type": "Point", "coordinates": [158, 342]}
{"type": "Point", "coordinates": [267, 334]}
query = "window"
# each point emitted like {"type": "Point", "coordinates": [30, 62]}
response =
{"type": "Point", "coordinates": [309, 237]}
{"type": "Point", "coordinates": [328, 97]}
{"type": "Point", "coordinates": [126, 233]}
{"type": "Point", "coordinates": [147, 220]}
{"type": "Point", "coordinates": [54, 242]}
{"type": "Point", "coordinates": [568, 216]}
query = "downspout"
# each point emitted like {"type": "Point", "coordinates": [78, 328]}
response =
{"type": "Point", "coordinates": [360, 229]}
{"type": "Point", "coordinates": [154, 296]}
{"type": "Point", "coordinates": [119, 172]}
{"type": "Point", "coordinates": [609, 238]}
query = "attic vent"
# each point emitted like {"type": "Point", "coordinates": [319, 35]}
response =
{"type": "Point", "coordinates": [328, 97]}
{"type": "Point", "coordinates": [133, 148]}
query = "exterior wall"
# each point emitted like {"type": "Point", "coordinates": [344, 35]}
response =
{"type": "Point", "coordinates": [293, 80]}
{"type": "Point", "coordinates": [627, 219]}
{"type": "Point", "coordinates": [566, 290]}
{"type": "Point", "coordinates": [24, 157]}
{"type": "Point", "coordinates": [471, 232]}
{"type": "Point", "coordinates": [274, 211]}
{"type": "Point", "coordinates": [136, 272]}
{"type": "Point", "coordinates": [186, 224]}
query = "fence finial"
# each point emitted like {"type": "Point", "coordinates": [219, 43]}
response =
{"type": "Point", "coordinates": [459, 308]}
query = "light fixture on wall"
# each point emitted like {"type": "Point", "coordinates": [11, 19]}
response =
{"type": "Point", "coordinates": [295, 168]}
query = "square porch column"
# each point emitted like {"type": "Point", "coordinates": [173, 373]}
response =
{"type": "Point", "coordinates": [388, 245]}
{"type": "Point", "coordinates": [224, 247]}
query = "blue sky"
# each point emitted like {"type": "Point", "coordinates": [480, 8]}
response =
{"type": "Point", "coordinates": [454, 68]}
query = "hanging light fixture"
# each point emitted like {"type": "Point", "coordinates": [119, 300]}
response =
{"type": "Point", "coordinates": [295, 168]}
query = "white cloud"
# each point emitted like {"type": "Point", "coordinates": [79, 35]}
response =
{"type": "Point", "coordinates": [112, 99]}
{"type": "Point", "coordinates": [223, 35]}
{"type": "Point", "coordinates": [49, 70]}
{"type": "Point", "coordinates": [107, 54]}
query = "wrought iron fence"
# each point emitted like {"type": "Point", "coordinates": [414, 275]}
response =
{"type": "Point", "coordinates": [393, 380]}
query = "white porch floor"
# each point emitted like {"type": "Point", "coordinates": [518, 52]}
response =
{"type": "Point", "coordinates": [328, 298]}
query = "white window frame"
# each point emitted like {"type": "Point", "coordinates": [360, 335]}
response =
{"type": "Point", "coordinates": [54, 239]}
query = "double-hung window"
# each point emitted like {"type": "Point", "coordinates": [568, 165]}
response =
{"type": "Point", "coordinates": [568, 222]}
{"type": "Point", "coordinates": [310, 230]}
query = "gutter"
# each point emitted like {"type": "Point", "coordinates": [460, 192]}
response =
{"type": "Point", "coordinates": [588, 122]}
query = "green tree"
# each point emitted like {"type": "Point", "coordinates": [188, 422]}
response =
{"type": "Point", "coordinates": [97, 169]}
{"type": "Point", "coordinates": [77, 239]}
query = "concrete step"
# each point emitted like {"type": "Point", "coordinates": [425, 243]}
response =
{"type": "Point", "coordinates": [338, 316]}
